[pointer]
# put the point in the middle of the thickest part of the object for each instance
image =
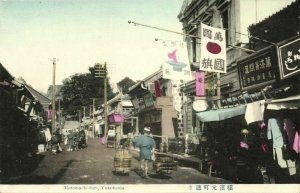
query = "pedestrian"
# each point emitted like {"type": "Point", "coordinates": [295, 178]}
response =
{"type": "Point", "coordinates": [146, 144]}
{"type": "Point", "coordinates": [55, 141]}
{"type": "Point", "coordinates": [48, 136]}
{"type": "Point", "coordinates": [71, 139]}
{"type": "Point", "coordinates": [118, 136]}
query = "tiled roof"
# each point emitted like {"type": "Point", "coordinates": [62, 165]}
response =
{"type": "Point", "coordinates": [40, 97]}
{"type": "Point", "coordinates": [4, 74]}
{"type": "Point", "coordinates": [275, 14]}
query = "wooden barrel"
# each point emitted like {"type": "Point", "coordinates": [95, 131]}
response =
{"type": "Point", "coordinates": [122, 161]}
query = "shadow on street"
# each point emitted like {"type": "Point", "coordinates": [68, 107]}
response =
{"type": "Point", "coordinates": [37, 179]}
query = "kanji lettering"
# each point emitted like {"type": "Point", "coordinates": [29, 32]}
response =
{"type": "Point", "coordinates": [207, 33]}
{"type": "Point", "coordinates": [219, 64]}
{"type": "Point", "coordinates": [207, 63]}
{"type": "Point", "coordinates": [218, 36]}
{"type": "Point", "coordinates": [268, 62]}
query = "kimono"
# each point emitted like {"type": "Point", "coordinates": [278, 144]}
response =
{"type": "Point", "coordinates": [145, 143]}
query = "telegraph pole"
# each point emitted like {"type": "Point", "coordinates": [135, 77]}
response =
{"type": "Point", "coordinates": [105, 100]}
{"type": "Point", "coordinates": [93, 117]}
{"type": "Point", "coordinates": [101, 71]}
{"type": "Point", "coordinates": [84, 111]}
{"type": "Point", "coordinates": [79, 116]}
{"type": "Point", "coordinates": [53, 96]}
{"type": "Point", "coordinates": [59, 114]}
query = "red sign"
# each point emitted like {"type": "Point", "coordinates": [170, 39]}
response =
{"type": "Point", "coordinates": [200, 88]}
{"type": "Point", "coordinates": [50, 113]}
{"type": "Point", "coordinates": [116, 118]}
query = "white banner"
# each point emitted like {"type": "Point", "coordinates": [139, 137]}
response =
{"type": "Point", "coordinates": [177, 66]}
{"type": "Point", "coordinates": [213, 49]}
{"type": "Point", "coordinates": [177, 101]}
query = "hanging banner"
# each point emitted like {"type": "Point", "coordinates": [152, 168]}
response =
{"type": "Point", "coordinates": [177, 99]}
{"type": "Point", "coordinates": [116, 118]}
{"type": "Point", "coordinates": [213, 49]}
{"type": "Point", "coordinates": [157, 88]}
{"type": "Point", "coordinates": [200, 87]}
{"type": "Point", "coordinates": [49, 114]}
{"type": "Point", "coordinates": [177, 66]}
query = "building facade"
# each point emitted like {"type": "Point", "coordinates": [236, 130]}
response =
{"type": "Point", "coordinates": [262, 72]}
{"type": "Point", "coordinates": [153, 103]}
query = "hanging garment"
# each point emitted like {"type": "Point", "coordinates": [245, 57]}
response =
{"type": "Point", "coordinates": [289, 127]}
{"type": "Point", "coordinates": [296, 145]}
{"type": "Point", "coordinates": [254, 112]}
{"type": "Point", "coordinates": [48, 134]}
{"type": "Point", "coordinates": [261, 124]}
{"type": "Point", "coordinates": [275, 133]}
{"type": "Point", "coordinates": [264, 147]}
{"type": "Point", "coordinates": [291, 165]}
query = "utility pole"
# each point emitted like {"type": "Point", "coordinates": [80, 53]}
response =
{"type": "Point", "coordinates": [90, 110]}
{"type": "Point", "coordinates": [84, 112]}
{"type": "Point", "coordinates": [219, 90]}
{"type": "Point", "coordinates": [79, 116]}
{"type": "Point", "coordinates": [59, 115]}
{"type": "Point", "coordinates": [93, 117]}
{"type": "Point", "coordinates": [101, 71]}
{"type": "Point", "coordinates": [105, 100]}
{"type": "Point", "coordinates": [53, 96]}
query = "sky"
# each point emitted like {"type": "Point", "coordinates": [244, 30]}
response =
{"type": "Point", "coordinates": [80, 33]}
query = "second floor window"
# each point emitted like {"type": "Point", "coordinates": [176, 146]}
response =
{"type": "Point", "coordinates": [194, 49]}
{"type": "Point", "coordinates": [225, 23]}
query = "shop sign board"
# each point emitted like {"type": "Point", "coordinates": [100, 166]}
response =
{"type": "Point", "coordinates": [257, 70]}
{"type": "Point", "coordinates": [148, 99]}
{"type": "Point", "coordinates": [135, 103]}
{"type": "Point", "coordinates": [116, 118]}
{"type": "Point", "coordinates": [289, 58]}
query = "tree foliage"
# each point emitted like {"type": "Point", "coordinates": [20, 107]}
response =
{"type": "Point", "coordinates": [79, 89]}
{"type": "Point", "coordinates": [125, 84]}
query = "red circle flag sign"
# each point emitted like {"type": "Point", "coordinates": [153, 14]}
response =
{"type": "Point", "coordinates": [213, 48]}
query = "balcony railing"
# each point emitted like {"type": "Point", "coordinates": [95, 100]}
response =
{"type": "Point", "coordinates": [123, 111]}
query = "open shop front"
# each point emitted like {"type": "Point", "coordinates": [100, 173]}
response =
{"type": "Point", "coordinates": [254, 143]}
{"type": "Point", "coordinates": [225, 145]}
{"type": "Point", "coordinates": [283, 123]}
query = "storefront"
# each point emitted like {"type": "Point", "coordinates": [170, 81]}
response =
{"type": "Point", "coordinates": [282, 117]}
{"type": "Point", "coordinates": [255, 139]}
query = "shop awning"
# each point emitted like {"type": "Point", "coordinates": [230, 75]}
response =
{"type": "Point", "coordinates": [292, 102]}
{"type": "Point", "coordinates": [221, 114]}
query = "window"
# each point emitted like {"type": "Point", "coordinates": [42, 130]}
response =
{"type": "Point", "coordinates": [224, 7]}
{"type": "Point", "coordinates": [225, 23]}
{"type": "Point", "coordinates": [194, 49]}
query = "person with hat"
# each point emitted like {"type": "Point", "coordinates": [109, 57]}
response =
{"type": "Point", "coordinates": [146, 144]}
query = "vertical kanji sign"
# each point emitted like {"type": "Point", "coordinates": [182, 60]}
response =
{"type": "Point", "coordinates": [213, 49]}
{"type": "Point", "coordinates": [200, 84]}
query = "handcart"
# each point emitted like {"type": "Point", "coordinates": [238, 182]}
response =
{"type": "Point", "coordinates": [110, 142]}
{"type": "Point", "coordinates": [164, 164]}
{"type": "Point", "coordinates": [122, 161]}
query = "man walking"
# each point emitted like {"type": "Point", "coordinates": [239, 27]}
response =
{"type": "Point", "coordinates": [146, 144]}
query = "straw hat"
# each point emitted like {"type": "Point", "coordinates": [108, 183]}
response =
{"type": "Point", "coordinates": [147, 129]}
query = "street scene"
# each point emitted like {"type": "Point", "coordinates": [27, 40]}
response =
{"type": "Point", "coordinates": [159, 92]}
{"type": "Point", "coordinates": [95, 165]}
